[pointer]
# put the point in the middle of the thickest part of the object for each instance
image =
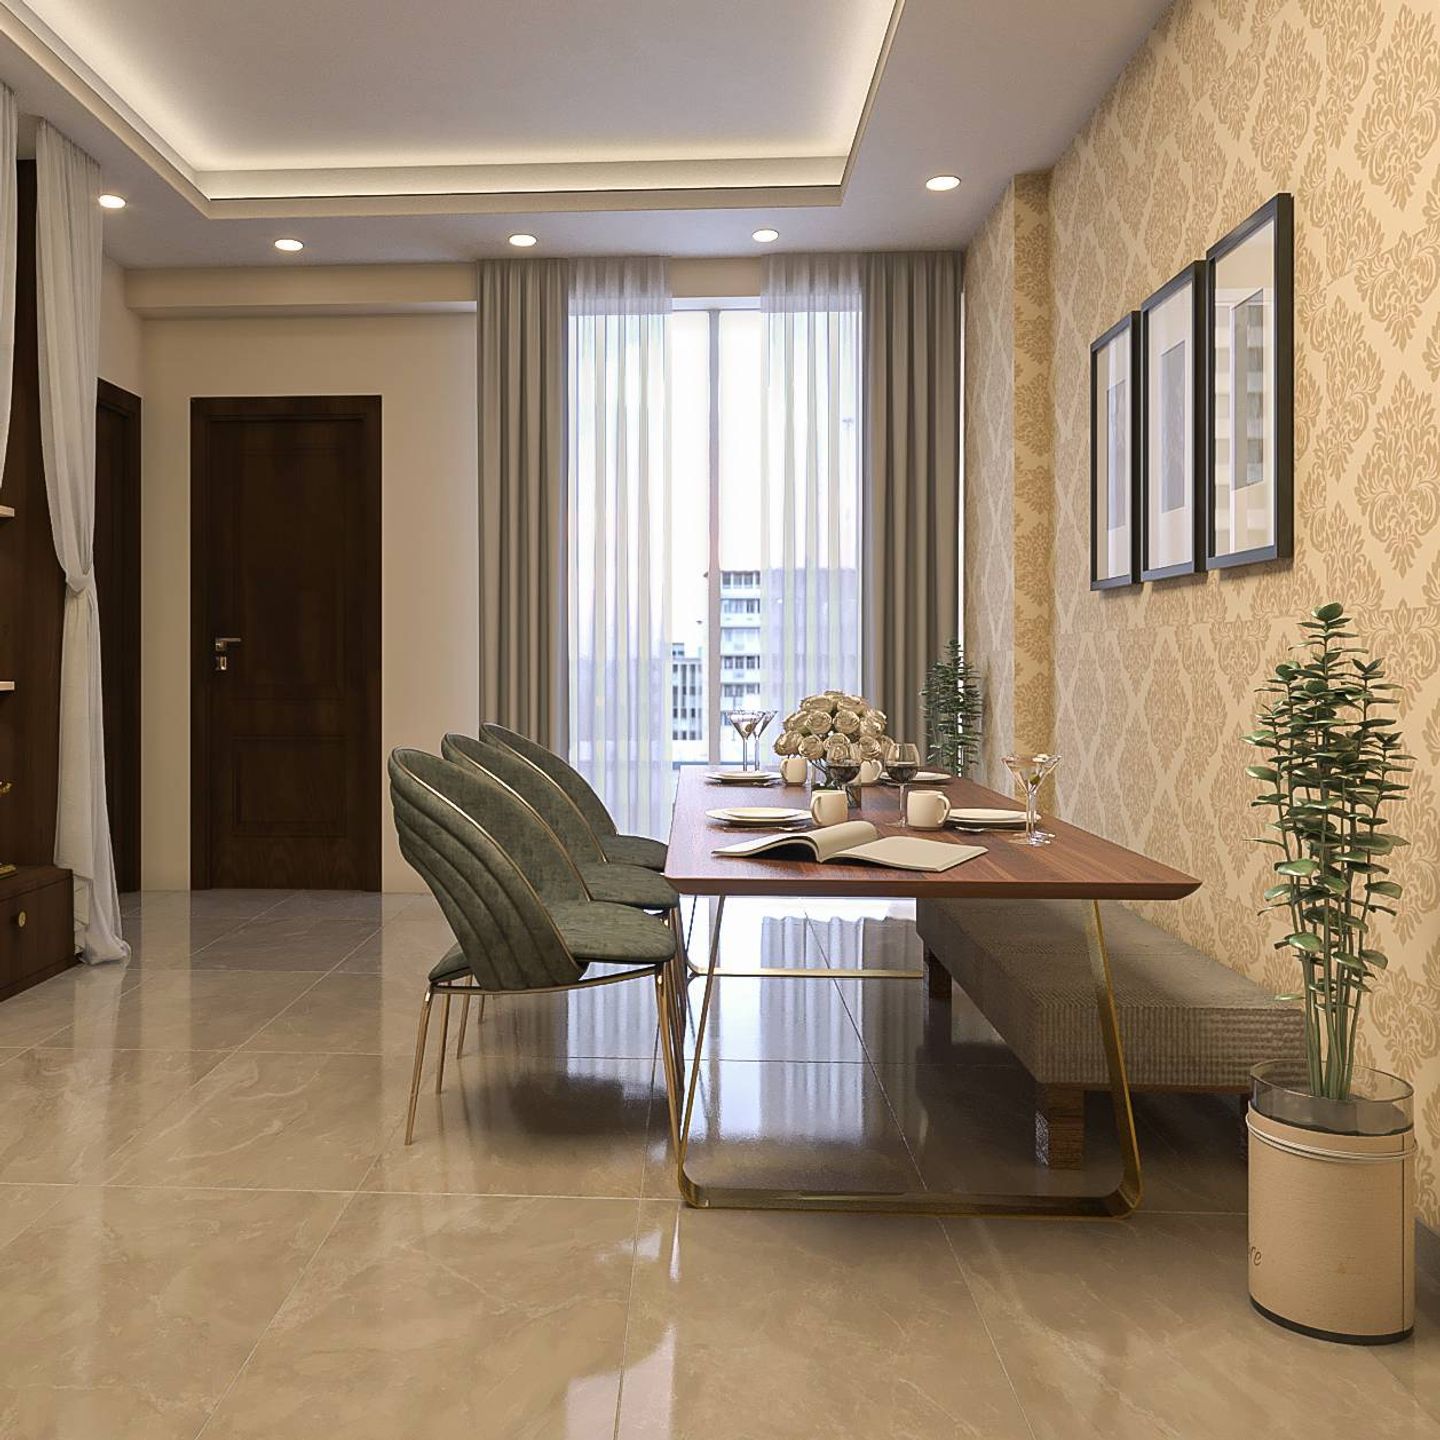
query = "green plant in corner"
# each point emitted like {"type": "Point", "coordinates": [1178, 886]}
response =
{"type": "Point", "coordinates": [1332, 773]}
{"type": "Point", "coordinates": [953, 705]}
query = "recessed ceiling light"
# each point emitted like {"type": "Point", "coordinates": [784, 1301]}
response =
{"type": "Point", "coordinates": [943, 182]}
{"type": "Point", "coordinates": [523, 241]}
{"type": "Point", "coordinates": [765, 236]}
{"type": "Point", "coordinates": [112, 202]}
{"type": "Point", "coordinates": [289, 246]}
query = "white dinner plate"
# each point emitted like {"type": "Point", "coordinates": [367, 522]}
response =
{"type": "Point", "coordinates": [759, 815]}
{"type": "Point", "coordinates": [743, 777]}
{"type": "Point", "coordinates": [924, 777]}
{"type": "Point", "coordinates": [980, 816]}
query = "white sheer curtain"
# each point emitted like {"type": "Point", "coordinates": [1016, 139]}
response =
{"type": "Point", "coordinates": [9, 205]}
{"type": "Point", "coordinates": [619, 513]}
{"type": "Point", "coordinates": [67, 274]}
{"type": "Point", "coordinates": [810, 476]}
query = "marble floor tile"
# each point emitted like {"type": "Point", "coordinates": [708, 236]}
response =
{"type": "Point", "coordinates": [158, 1293]}
{"type": "Point", "coordinates": [973, 1128]}
{"type": "Point", "coordinates": [299, 943]}
{"type": "Point", "coordinates": [788, 1125]}
{"type": "Point", "coordinates": [797, 1326]}
{"type": "Point", "coordinates": [187, 1010]}
{"type": "Point", "coordinates": [75, 995]}
{"type": "Point", "coordinates": [774, 1020]}
{"type": "Point", "coordinates": [900, 1024]}
{"type": "Point", "coordinates": [345, 1014]}
{"type": "Point", "coordinates": [46, 1412]}
{"type": "Point", "coordinates": [451, 1317]}
{"type": "Point", "coordinates": [402, 949]}
{"type": "Point", "coordinates": [1141, 1329]}
{"type": "Point", "coordinates": [20, 1205]}
{"type": "Point", "coordinates": [281, 1121]}
{"type": "Point", "coordinates": [528, 1126]}
{"type": "Point", "coordinates": [65, 1112]}
{"type": "Point", "coordinates": [608, 1022]}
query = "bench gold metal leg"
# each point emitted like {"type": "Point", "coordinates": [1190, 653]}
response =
{"type": "Point", "coordinates": [1116, 1203]}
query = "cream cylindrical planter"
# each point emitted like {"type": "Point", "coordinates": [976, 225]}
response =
{"type": "Point", "coordinates": [1332, 1206]}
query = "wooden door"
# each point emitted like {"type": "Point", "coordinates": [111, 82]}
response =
{"type": "Point", "coordinates": [117, 587]}
{"type": "Point", "coordinates": [285, 623]}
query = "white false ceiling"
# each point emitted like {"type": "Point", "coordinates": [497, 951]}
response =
{"type": "Point", "coordinates": [377, 131]}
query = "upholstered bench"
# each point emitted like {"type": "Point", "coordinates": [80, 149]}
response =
{"type": "Point", "coordinates": [1187, 1022]}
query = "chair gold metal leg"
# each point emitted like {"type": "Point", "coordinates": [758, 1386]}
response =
{"type": "Point", "coordinates": [444, 1037]}
{"type": "Point", "coordinates": [1114, 1204]}
{"type": "Point", "coordinates": [464, 1016]}
{"type": "Point", "coordinates": [419, 1062]}
{"type": "Point", "coordinates": [664, 1005]}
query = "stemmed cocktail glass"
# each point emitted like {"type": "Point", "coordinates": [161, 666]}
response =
{"type": "Point", "coordinates": [1030, 771]}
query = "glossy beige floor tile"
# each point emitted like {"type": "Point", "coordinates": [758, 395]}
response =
{"type": "Point", "coordinates": [775, 1020]}
{"type": "Point", "coordinates": [1140, 1329]}
{"type": "Point", "coordinates": [609, 1022]}
{"type": "Point", "coordinates": [797, 1326]}
{"type": "Point", "coordinates": [43, 1412]}
{"type": "Point", "coordinates": [298, 943]}
{"type": "Point", "coordinates": [451, 1317]}
{"type": "Point", "coordinates": [350, 1014]}
{"type": "Point", "coordinates": [187, 1010]}
{"type": "Point", "coordinates": [404, 948]}
{"type": "Point", "coordinates": [528, 1126]}
{"type": "Point", "coordinates": [789, 1125]}
{"type": "Point", "coordinates": [20, 1205]}
{"type": "Point", "coordinates": [303, 1122]}
{"type": "Point", "coordinates": [158, 1293]}
{"type": "Point", "coordinates": [72, 997]}
{"type": "Point", "coordinates": [64, 1113]}
{"type": "Point", "coordinates": [899, 1024]}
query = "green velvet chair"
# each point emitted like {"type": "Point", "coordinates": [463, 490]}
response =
{"type": "Point", "coordinates": [517, 906]}
{"type": "Point", "coordinates": [623, 849]}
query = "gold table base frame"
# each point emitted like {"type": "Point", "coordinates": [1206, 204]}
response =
{"type": "Point", "coordinates": [681, 1091]}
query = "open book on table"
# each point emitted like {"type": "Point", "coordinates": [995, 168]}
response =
{"type": "Point", "coordinates": [858, 840]}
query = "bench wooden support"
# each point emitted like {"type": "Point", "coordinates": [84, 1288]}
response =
{"type": "Point", "coordinates": [937, 977]}
{"type": "Point", "coordinates": [1060, 1126]}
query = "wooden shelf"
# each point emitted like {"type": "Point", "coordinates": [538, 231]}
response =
{"type": "Point", "coordinates": [7, 687]}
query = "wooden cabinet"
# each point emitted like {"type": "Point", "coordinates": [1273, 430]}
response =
{"type": "Point", "coordinates": [37, 927]}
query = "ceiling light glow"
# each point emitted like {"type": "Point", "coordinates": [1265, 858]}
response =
{"type": "Point", "coordinates": [523, 241]}
{"type": "Point", "coordinates": [289, 246]}
{"type": "Point", "coordinates": [111, 202]}
{"type": "Point", "coordinates": [943, 182]}
{"type": "Point", "coordinates": [765, 236]}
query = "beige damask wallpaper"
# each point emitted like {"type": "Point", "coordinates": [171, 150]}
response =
{"type": "Point", "coordinates": [1337, 101]}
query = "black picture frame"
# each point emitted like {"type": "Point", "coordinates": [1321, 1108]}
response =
{"type": "Point", "coordinates": [1126, 328]}
{"type": "Point", "coordinates": [1278, 212]}
{"type": "Point", "coordinates": [1193, 275]}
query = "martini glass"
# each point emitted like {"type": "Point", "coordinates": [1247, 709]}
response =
{"type": "Point", "coordinates": [745, 723]}
{"type": "Point", "coordinates": [1030, 771]}
{"type": "Point", "coordinates": [766, 717]}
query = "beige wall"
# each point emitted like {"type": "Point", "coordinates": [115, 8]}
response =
{"type": "Point", "coordinates": [121, 333]}
{"type": "Point", "coordinates": [424, 368]}
{"type": "Point", "coordinates": [1228, 102]}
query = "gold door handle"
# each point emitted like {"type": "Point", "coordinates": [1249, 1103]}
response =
{"type": "Point", "coordinates": [20, 919]}
{"type": "Point", "coordinates": [222, 644]}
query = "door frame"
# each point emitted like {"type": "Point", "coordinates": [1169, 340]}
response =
{"type": "Point", "coordinates": [206, 411]}
{"type": "Point", "coordinates": [120, 608]}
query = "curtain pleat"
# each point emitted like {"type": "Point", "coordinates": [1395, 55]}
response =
{"type": "Point", "coordinates": [9, 215]}
{"type": "Point", "coordinates": [912, 474]}
{"type": "Point", "coordinates": [521, 337]}
{"type": "Point", "coordinates": [620, 516]}
{"type": "Point", "coordinates": [810, 476]}
{"type": "Point", "coordinates": [67, 275]}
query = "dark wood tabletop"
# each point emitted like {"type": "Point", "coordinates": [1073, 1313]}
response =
{"type": "Point", "coordinates": [1075, 866]}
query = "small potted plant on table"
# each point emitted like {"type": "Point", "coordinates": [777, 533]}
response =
{"type": "Point", "coordinates": [1332, 1171]}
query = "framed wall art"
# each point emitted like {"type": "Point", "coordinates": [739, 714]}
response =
{"type": "Point", "coordinates": [1115, 455]}
{"type": "Point", "coordinates": [1172, 427]}
{"type": "Point", "coordinates": [1250, 345]}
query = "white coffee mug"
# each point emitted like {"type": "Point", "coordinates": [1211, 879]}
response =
{"type": "Point", "coordinates": [829, 807]}
{"type": "Point", "coordinates": [926, 809]}
{"type": "Point", "coordinates": [869, 772]}
{"type": "Point", "coordinates": [793, 769]}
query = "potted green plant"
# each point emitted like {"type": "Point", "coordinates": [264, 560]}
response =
{"type": "Point", "coordinates": [953, 706]}
{"type": "Point", "coordinates": [1331, 1142]}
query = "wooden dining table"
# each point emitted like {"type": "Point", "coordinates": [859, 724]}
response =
{"type": "Point", "coordinates": [1077, 865]}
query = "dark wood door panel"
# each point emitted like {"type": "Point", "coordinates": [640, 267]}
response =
{"type": "Point", "coordinates": [286, 774]}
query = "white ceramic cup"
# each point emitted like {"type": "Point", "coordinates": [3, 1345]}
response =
{"type": "Point", "coordinates": [869, 772]}
{"type": "Point", "coordinates": [829, 807]}
{"type": "Point", "coordinates": [793, 769]}
{"type": "Point", "coordinates": [926, 809]}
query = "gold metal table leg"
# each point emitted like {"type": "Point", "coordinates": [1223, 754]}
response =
{"type": "Point", "coordinates": [1113, 1204]}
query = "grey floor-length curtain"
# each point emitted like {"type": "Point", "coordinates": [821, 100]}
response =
{"type": "Point", "coordinates": [912, 474]}
{"type": "Point", "coordinates": [522, 325]}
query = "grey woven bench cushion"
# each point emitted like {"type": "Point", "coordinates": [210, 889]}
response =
{"type": "Point", "coordinates": [1186, 1021]}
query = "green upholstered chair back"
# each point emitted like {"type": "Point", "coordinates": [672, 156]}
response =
{"type": "Point", "coordinates": [565, 775]}
{"type": "Point", "coordinates": [493, 867]}
{"type": "Point", "coordinates": [534, 786]}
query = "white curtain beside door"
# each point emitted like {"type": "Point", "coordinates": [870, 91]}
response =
{"type": "Point", "coordinates": [620, 518]}
{"type": "Point", "coordinates": [810, 477]}
{"type": "Point", "coordinates": [68, 268]}
{"type": "Point", "coordinates": [9, 220]}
